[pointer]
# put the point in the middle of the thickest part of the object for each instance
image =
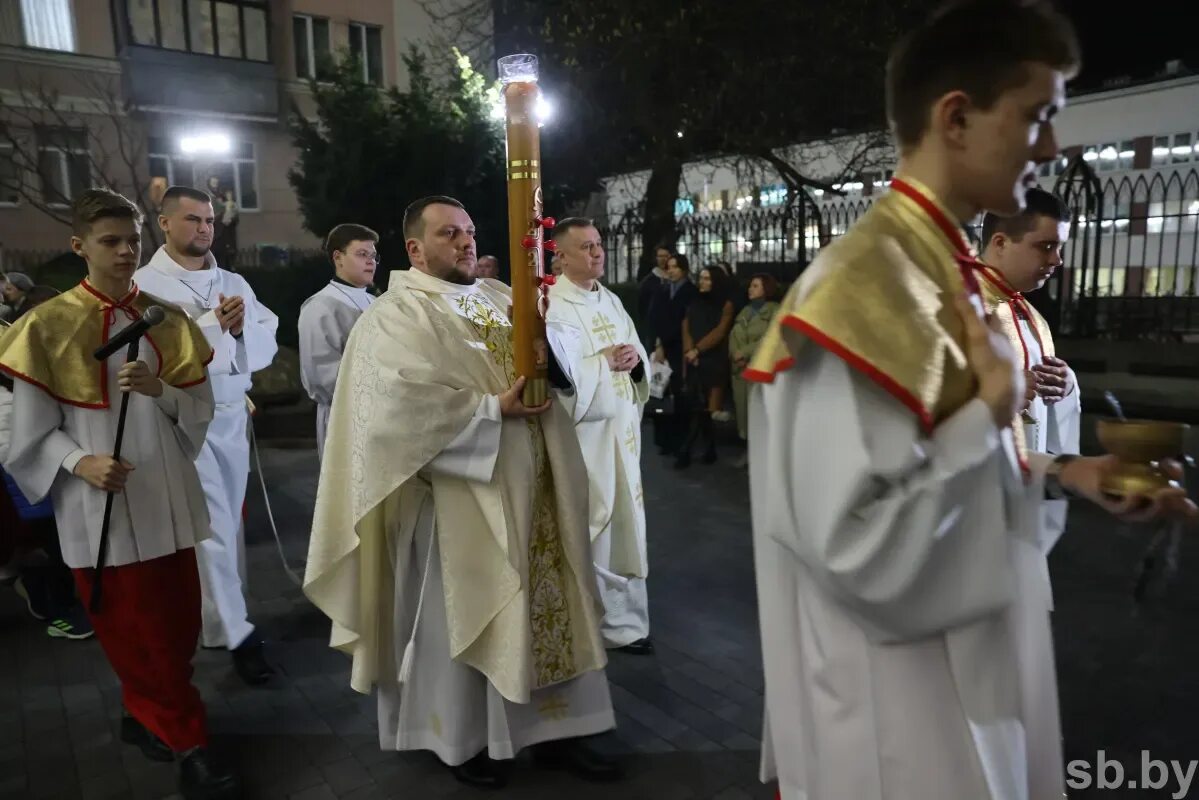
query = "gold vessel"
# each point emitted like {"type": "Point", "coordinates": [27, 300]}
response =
{"type": "Point", "coordinates": [1140, 445]}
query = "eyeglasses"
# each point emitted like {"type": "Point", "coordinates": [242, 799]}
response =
{"type": "Point", "coordinates": [366, 255]}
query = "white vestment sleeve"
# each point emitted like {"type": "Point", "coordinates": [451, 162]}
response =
{"type": "Point", "coordinates": [222, 345]}
{"type": "Point", "coordinates": [190, 410]}
{"type": "Point", "coordinates": [38, 448]}
{"type": "Point", "coordinates": [473, 453]}
{"type": "Point", "coordinates": [256, 347]}
{"type": "Point", "coordinates": [908, 532]}
{"type": "Point", "coordinates": [591, 396]}
{"type": "Point", "coordinates": [322, 342]}
{"type": "Point", "coordinates": [1065, 421]}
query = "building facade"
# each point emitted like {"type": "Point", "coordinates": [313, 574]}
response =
{"type": "Point", "coordinates": [138, 94]}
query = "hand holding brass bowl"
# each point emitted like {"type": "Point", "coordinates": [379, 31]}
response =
{"type": "Point", "coordinates": [1140, 445]}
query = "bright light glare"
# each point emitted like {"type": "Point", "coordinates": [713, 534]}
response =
{"type": "Point", "coordinates": [206, 143]}
{"type": "Point", "coordinates": [544, 110]}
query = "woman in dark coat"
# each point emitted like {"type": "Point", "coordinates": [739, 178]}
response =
{"type": "Point", "coordinates": [706, 359]}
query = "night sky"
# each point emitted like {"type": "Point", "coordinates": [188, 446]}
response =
{"type": "Point", "coordinates": [1134, 39]}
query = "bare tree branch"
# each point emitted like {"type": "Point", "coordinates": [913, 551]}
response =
{"type": "Point", "coordinates": [465, 24]}
{"type": "Point", "coordinates": [36, 115]}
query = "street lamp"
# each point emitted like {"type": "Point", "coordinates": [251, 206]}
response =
{"type": "Point", "coordinates": [206, 143]}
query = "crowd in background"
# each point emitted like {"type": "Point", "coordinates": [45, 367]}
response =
{"type": "Point", "coordinates": [30, 558]}
{"type": "Point", "coordinates": [704, 328]}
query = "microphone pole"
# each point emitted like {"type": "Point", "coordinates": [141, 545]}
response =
{"type": "Point", "coordinates": [152, 316]}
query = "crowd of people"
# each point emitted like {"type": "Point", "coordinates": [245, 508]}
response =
{"type": "Point", "coordinates": [701, 333]}
{"type": "Point", "coordinates": [480, 552]}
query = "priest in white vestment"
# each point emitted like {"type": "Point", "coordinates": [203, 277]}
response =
{"type": "Point", "coordinates": [610, 389]}
{"type": "Point", "coordinates": [898, 534]}
{"type": "Point", "coordinates": [449, 543]}
{"type": "Point", "coordinates": [241, 331]}
{"type": "Point", "coordinates": [327, 317]}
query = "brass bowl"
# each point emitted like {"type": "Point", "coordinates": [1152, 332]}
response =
{"type": "Point", "coordinates": [1139, 444]}
{"type": "Point", "coordinates": [1141, 441]}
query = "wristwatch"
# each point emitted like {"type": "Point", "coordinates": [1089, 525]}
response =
{"type": "Point", "coordinates": [1054, 490]}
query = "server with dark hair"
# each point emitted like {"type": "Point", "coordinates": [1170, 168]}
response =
{"type": "Point", "coordinates": [327, 317]}
{"type": "Point", "coordinates": [65, 417]}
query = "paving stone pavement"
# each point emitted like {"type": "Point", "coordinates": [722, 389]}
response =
{"type": "Point", "coordinates": [688, 717]}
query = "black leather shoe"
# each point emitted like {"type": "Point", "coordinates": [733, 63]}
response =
{"type": "Point", "coordinates": [641, 647]}
{"type": "Point", "coordinates": [250, 663]}
{"type": "Point", "coordinates": [574, 756]}
{"type": "Point", "coordinates": [153, 748]}
{"type": "Point", "coordinates": [201, 779]}
{"type": "Point", "coordinates": [480, 772]}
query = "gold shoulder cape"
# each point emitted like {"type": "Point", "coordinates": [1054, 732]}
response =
{"type": "Point", "coordinates": [1010, 306]}
{"type": "Point", "coordinates": [881, 299]}
{"type": "Point", "coordinates": [51, 346]}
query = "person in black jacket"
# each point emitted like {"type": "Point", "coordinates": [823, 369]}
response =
{"type": "Point", "coordinates": [647, 290]}
{"type": "Point", "coordinates": [666, 314]}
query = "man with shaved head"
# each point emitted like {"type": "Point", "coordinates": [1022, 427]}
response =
{"type": "Point", "coordinates": [241, 331]}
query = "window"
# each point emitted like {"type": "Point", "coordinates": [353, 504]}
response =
{"type": "Point", "coordinates": [311, 37]}
{"type": "Point", "coordinates": [1109, 156]}
{"type": "Point", "coordinates": [48, 24]}
{"type": "Point", "coordinates": [226, 28]}
{"type": "Point", "coordinates": [63, 164]}
{"type": "Point", "coordinates": [1181, 151]}
{"type": "Point", "coordinates": [236, 171]}
{"type": "Point", "coordinates": [10, 176]}
{"type": "Point", "coordinates": [366, 45]}
{"type": "Point", "coordinates": [1161, 150]}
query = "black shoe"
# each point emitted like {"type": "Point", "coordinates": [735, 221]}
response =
{"type": "Point", "coordinates": [200, 779]}
{"type": "Point", "coordinates": [72, 624]}
{"type": "Point", "coordinates": [250, 663]}
{"type": "Point", "coordinates": [709, 457]}
{"type": "Point", "coordinates": [683, 461]}
{"type": "Point", "coordinates": [153, 748]}
{"type": "Point", "coordinates": [641, 647]}
{"type": "Point", "coordinates": [480, 772]}
{"type": "Point", "coordinates": [574, 756]}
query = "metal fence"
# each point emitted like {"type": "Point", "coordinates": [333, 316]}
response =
{"type": "Point", "coordinates": [1131, 267]}
{"type": "Point", "coordinates": [1132, 263]}
{"type": "Point", "coordinates": [780, 241]}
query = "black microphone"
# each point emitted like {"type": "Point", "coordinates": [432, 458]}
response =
{"type": "Point", "coordinates": [152, 317]}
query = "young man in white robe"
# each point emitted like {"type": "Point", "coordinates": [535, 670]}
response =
{"type": "Point", "coordinates": [327, 317]}
{"type": "Point", "coordinates": [1020, 253]}
{"type": "Point", "coordinates": [610, 389]}
{"type": "Point", "coordinates": [449, 542]}
{"type": "Point", "coordinates": [241, 331]}
{"type": "Point", "coordinates": [899, 544]}
{"type": "Point", "coordinates": [66, 407]}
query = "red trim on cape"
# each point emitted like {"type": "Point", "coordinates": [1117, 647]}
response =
{"type": "Point", "coordinates": [25, 378]}
{"type": "Point", "coordinates": [952, 232]}
{"type": "Point", "coordinates": [883, 380]}
{"type": "Point", "coordinates": [1015, 299]}
{"type": "Point", "coordinates": [761, 376]}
